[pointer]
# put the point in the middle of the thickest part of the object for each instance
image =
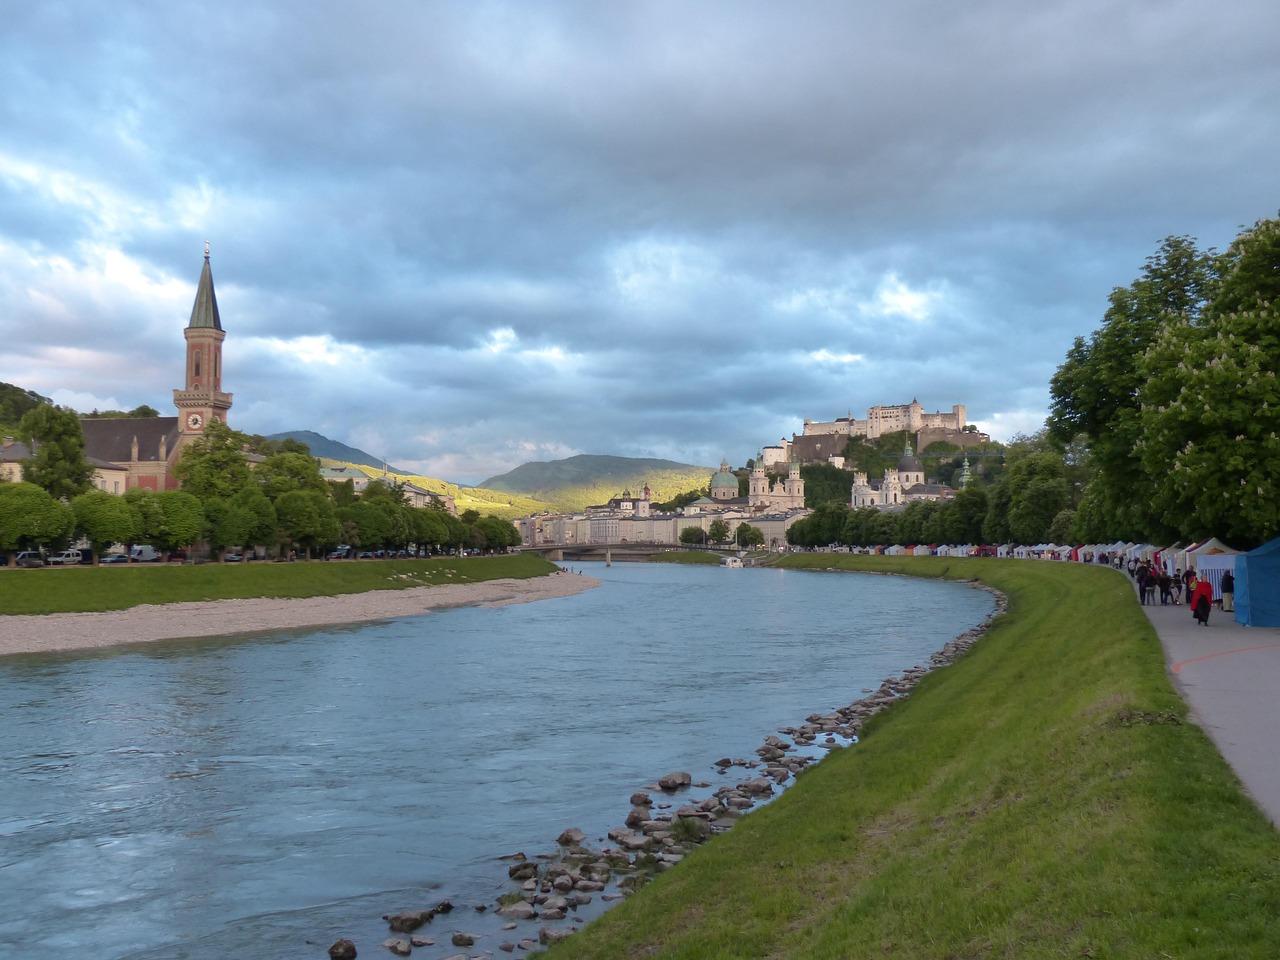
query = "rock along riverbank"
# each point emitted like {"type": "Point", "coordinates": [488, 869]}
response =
{"type": "Point", "coordinates": [549, 895]}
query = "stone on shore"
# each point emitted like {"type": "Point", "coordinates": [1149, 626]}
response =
{"type": "Point", "coordinates": [674, 781]}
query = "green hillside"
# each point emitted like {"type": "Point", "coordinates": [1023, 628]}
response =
{"type": "Point", "coordinates": [326, 449]}
{"type": "Point", "coordinates": [581, 481]}
{"type": "Point", "coordinates": [508, 506]}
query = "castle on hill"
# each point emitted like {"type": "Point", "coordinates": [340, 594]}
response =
{"type": "Point", "coordinates": [825, 441]}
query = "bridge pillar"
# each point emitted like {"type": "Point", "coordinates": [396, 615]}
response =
{"type": "Point", "coordinates": [608, 557]}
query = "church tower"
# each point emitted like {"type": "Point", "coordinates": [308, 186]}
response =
{"type": "Point", "coordinates": [201, 399]}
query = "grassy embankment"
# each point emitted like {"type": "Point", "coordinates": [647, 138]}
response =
{"type": "Point", "coordinates": [82, 589]}
{"type": "Point", "coordinates": [1043, 797]}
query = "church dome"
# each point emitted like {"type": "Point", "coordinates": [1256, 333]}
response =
{"type": "Point", "coordinates": [724, 479]}
{"type": "Point", "coordinates": [909, 463]}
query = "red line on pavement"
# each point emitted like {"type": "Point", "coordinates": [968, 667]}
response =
{"type": "Point", "coordinates": [1177, 667]}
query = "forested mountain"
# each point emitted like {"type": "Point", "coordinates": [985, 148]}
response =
{"type": "Point", "coordinates": [321, 446]}
{"type": "Point", "coordinates": [586, 479]}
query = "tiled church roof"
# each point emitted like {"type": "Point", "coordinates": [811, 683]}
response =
{"type": "Point", "coordinates": [111, 439]}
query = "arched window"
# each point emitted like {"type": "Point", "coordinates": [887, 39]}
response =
{"type": "Point", "coordinates": [195, 369]}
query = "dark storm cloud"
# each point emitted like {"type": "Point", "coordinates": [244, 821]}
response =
{"type": "Point", "coordinates": [468, 235]}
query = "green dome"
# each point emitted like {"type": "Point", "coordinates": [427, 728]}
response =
{"type": "Point", "coordinates": [724, 479]}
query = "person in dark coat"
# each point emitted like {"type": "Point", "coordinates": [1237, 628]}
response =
{"type": "Point", "coordinates": [1201, 599]}
{"type": "Point", "coordinates": [1228, 592]}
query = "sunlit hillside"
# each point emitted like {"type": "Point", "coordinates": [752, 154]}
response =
{"type": "Point", "coordinates": [508, 506]}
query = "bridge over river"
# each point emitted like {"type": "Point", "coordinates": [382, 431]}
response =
{"type": "Point", "coordinates": [608, 552]}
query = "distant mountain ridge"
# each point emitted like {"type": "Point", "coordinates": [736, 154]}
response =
{"type": "Point", "coordinates": [579, 481]}
{"type": "Point", "coordinates": [322, 446]}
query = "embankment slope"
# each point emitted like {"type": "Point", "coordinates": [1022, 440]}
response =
{"type": "Point", "coordinates": [1044, 797]}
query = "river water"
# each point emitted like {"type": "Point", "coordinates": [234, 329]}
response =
{"type": "Point", "coordinates": [264, 795]}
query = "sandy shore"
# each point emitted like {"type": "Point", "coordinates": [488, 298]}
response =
{"type": "Point", "coordinates": [172, 621]}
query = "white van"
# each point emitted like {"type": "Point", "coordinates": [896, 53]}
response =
{"type": "Point", "coordinates": [66, 558]}
{"type": "Point", "coordinates": [144, 553]}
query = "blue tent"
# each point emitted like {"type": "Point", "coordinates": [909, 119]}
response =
{"type": "Point", "coordinates": [1258, 586]}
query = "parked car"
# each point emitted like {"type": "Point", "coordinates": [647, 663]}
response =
{"type": "Point", "coordinates": [178, 556]}
{"type": "Point", "coordinates": [114, 558]}
{"type": "Point", "coordinates": [29, 558]}
{"type": "Point", "coordinates": [66, 558]}
{"type": "Point", "coordinates": [234, 557]}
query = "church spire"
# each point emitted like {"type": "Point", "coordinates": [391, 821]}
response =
{"type": "Point", "coordinates": [204, 312]}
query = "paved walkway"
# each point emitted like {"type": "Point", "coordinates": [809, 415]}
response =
{"type": "Point", "coordinates": [1230, 676]}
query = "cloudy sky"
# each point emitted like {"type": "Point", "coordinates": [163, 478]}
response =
{"type": "Point", "coordinates": [468, 235]}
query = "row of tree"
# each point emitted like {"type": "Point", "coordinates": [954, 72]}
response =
{"type": "Point", "coordinates": [719, 533]}
{"type": "Point", "coordinates": [1175, 398]}
{"type": "Point", "coordinates": [281, 504]}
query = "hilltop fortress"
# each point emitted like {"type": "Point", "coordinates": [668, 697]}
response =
{"type": "Point", "coordinates": [824, 441]}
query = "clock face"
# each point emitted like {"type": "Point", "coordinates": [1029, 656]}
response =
{"type": "Point", "coordinates": [194, 421]}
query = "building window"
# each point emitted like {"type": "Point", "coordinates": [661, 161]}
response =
{"type": "Point", "coordinates": [196, 365]}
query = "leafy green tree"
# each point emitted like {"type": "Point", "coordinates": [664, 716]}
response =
{"type": "Point", "coordinates": [1096, 391]}
{"type": "Point", "coordinates": [103, 519]}
{"type": "Point", "coordinates": [227, 524]}
{"type": "Point", "coordinates": [969, 508]}
{"type": "Point", "coordinates": [30, 517]}
{"type": "Point", "coordinates": [693, 536]}
{"type": "Point", "coordinates": [57, 462]}
{"type": "Point", "coordinates": [149, 510]}
{"type": "Point", "coordinates": [1211, 403]}
{"type": "Point", "coordinates": [15, 403]}
{"type": "Point", "coordinates": [748, 536]}
{"type": "Point", "coordinates": [282, 472]}
{"type": "Point", "coordinates": [307, 518]}
{"type": "Point", "coordinates": [1037, 491]}
{"type": "Point", "coordinates": [1062, 526]}
{"type": "Point", "coordinates": [182, 521]}
{"type": "Point", "coordinates": [343, 492]}
{"type": "Point", "coordinates": [680, 500]}
{"type": "Point", "coordinates": [429, 529]}
{"type": "Point", "coordinates": [499, 534]}
{"type": "Point", "coordinates": [372, 519]}
{"type": "Point", "coordinates": [718, 531]}
{"type": "Point", "coordinates": [824, 483]}
{"type": "Point", "coordinates": [215, 466]}
{"type": "Point", "coordinates": [262, 529]}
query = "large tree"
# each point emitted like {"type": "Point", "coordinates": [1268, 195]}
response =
{"type": "Point", "coordinates": [306, 517]}
{"type": "Point", "coordinates": [181, 521]}
{"type": "Point", "coordinates": [1096, 391]}
{"type": "Point", "coordinates": [103, 519]}
{"type": "Point", "coordinates": [1211, 403]}
{"type": "Point", "coordinates": [289, 470]}
{"type": "Point", "coordinates": [30, 517]}
{"type": "Point", "coordinates": [215, 466]}
{"type": "Point", "coordinates": [57, 462]}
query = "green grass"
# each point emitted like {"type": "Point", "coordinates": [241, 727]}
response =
{"type": "Point", "coordinates": [85, 589]}
{"type": "Point", "coordinates": [1044, 797]}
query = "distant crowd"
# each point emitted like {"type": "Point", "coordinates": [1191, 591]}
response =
{"type": "Point", "coordinates": [1182, 585]}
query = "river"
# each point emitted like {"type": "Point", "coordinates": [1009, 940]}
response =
{"type": "Point", "coordinates": [264, 795]}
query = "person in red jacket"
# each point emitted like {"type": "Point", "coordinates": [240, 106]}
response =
{"type": "Point", "coordinates": [1201, 599]}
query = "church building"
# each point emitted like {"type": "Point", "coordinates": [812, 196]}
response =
{"type": "Point", "coordinates": [783, 495]}
{"type": "Point", "coordinates": [143, 451]}
{"type": "Point", "coordinates": [899, 487]}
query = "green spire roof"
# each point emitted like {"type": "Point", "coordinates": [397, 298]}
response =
{"type": "Point", "coordinates": [204, 313]}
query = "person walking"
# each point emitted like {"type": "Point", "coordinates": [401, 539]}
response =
{"type": "Point", "coordinates": [1228, 592]}
{"type": "Point", "coordinates": [1201, 599]}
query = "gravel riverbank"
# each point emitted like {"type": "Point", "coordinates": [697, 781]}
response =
{"type": "Point", "coordinates": [171, 621]}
